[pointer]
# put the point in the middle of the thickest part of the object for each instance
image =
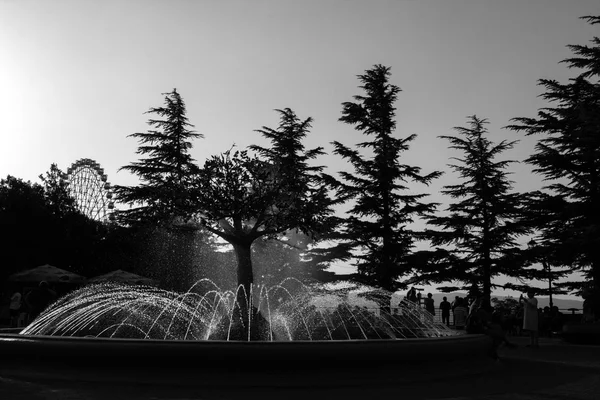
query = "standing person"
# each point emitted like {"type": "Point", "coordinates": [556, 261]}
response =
{"type": "Point", "coordinates": [419, 299]}
{"type": "Point", "coordinates": [530, 317]}
{"type": "Point", "coordinates": [39, 298]}
{"type": "Point", "coordinates": [445, 309]}
{"type": "Point", "coordinates": [15, 308]}
{"type": "Point", "coordinates": [460, 314]}
{"type": "Point", "coordinates": [453, 306]}
{"type": "Point", "coordinates": [430, 304]}
{"type": "Point", "coordinates": [412, 295]}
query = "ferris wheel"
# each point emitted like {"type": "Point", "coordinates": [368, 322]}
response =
{"type": "Point", "coordinates": [87, 184]}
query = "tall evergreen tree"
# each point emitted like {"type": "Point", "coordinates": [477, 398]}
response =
{"type": "Point", "coordinates": [484, 221]}
{"type": "Point", "coordinates": [376, 232]}
{"type": "Point", "coordinates": [568, 156]}
{"type": "Point", "coordinates": [297, 180]}
{"type": "Point", "coordinates": [166, 172]}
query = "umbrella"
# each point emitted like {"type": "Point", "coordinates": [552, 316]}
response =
{"type": "Point", "coordinates": [123, 277]}
{"type": "Point", "coordinates": [47, 273]}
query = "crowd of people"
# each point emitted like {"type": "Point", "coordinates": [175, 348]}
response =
{"type": "Point", "coordinates": [471, 315]}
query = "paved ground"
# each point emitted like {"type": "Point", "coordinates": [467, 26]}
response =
{"type": "Point", "coordinates": [555, 371]}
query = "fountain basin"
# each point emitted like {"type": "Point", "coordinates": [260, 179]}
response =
{"type": "Point", "coordinates": [210, 363]}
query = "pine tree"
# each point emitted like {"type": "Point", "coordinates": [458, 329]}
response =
{"type": "Point", "coordinates": [376, 232]}
{"type": "Point", "coordinates": [568, 157]}
{"type": "Point", "coordinates": [297, 180]}
{"type": "Point", "coordinates": [166, 173]}
{"type": "Point", "coordinates": [482, 224]}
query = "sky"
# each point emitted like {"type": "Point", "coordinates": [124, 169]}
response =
{"type": "Point", "coordinates": [77, 76]}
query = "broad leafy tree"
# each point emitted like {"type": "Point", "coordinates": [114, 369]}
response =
{"type": "Point", "coordinates": [481, 225]}
{"type": "Point", "coordinates": [567, 155]}
{"type": "Point", "coordinates": [39, 227]}
{"type": "Point", "coordinates": [246, 197]}
{"type": "Point", "coordinates": [166, 170]}
{"type": "Point", "coordinates": [56, 192]}
{"type": "Point", "coordinates": [25, 223]}
{"type": "Point", "coordinates": [376, 232]}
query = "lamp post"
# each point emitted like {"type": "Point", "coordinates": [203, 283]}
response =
{"type": "Point", "coordinates": [548, 270]}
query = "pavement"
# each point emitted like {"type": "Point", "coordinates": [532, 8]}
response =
{"type": "Point", "coordinates": [555, 371]}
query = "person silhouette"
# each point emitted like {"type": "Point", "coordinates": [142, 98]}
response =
{"type": "Point", "coordinates": [460, 314]}
{"type": "Point", "coordinates": [412, 294]}
{"type": "Point", "coordinates": [445, 309]}
{"type": "Point", "coordinates": [429, 304]}
{"type": "Point", "coordinates": [530, 317]}
{"type": "Point", "coordinates": [15, 308]}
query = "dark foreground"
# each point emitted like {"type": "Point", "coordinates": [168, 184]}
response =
{"type": "Point", "coordinates": [554, 371]}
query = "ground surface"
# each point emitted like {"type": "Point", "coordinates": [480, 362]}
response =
{"type": "Point", "coordinates": [554, 371]}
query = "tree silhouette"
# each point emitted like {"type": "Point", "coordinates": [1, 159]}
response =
{"type": "Point", "coordinates": [376, 231]}
{"type": "Point", "coordinates": [484, 221]}
{"type": "Point", "coordinates": [56, 192]}
{"type": "Point", "coordinates": [166, 174]}
{"type": "Point", "coordinates": [25, 224]}
{"type": "Point", "coordinates": [46, 224]}
{"type": "Point", "coordinates": [245, 197]}
{"type": "Point", "coordinates": [162, 200]}
{"type": "Point", "coordinates": [568, 157]}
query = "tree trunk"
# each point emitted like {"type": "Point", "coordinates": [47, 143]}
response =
{"type": "Point", "coordinates": [595, 297]}
{"type": "Point", "coordinates": [487, 264]}
{"type": "Point", "coordinates": [242, 313]}
{"type": "Point", "coordinates": [248, 322]}
{"type": "Point", "coordinates": [487, 281]}
{"type": "Point", "coordinates": [245, 277]}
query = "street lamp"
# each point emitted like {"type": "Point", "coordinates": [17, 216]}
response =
{"type": "Point", "coordinates": [532, 243]}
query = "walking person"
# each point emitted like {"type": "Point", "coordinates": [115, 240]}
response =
{"type": "Point", "coordinates": [445, 309]}
{"type": "Point", "coordinates": [530, 317]}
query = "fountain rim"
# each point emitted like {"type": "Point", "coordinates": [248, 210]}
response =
{"type": "Point", "coordinates": [288, 363]}
{"type": "Point", "coordinates": [49, 338]}
{"type": "Point", "coordinates": [47, 347]}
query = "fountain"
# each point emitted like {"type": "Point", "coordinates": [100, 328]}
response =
{"type": "Point", "coordinates": [145, 333]}
{"type": "Point", "coordinates": [292, 311]}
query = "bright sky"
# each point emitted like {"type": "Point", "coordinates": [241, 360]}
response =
{"type": "Point", "coordinates": [77, 76]}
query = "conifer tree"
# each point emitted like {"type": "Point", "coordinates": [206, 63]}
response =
{"type": "Point", "coordinates": [166, 173]}
{"type": "Point", "coordinates": [301, 186]}
{"type": "Point", "coordinates": [482, 224]}
{"type": "Point", "coordinates": [376, 231]}
{"type": "Point", "coordinates": [568, 157]}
